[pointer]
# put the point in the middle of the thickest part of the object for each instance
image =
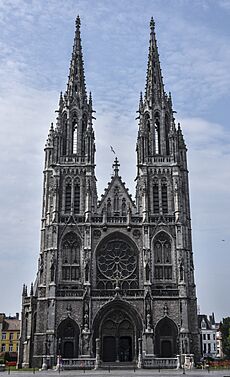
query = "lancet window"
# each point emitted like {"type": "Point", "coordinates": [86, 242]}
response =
{"type": "Point", "coordinates": [162, 250]}
{"type": "Point", "coordinates": [68, 190]}
{"type": "Point", "coordinates": [77, 196]}
{"type": "Point", "coordinates": [167, 133]}
{"type": "Point", "coordinates": [74, 133]}
{"type": "Point", "coordinates": [70, 258]}
{"type": "Point", "coordinates": [64, 135]}
{"type": "Point", "coordinates": [156, 207]}
{"type": "Point", "coordinates": [72, 195]}
{"type": "Point", "coordinates": [157, 134]}
{"type": "Point", "coordinates": [123, 207]}
{"type": "Point", "coordinates": [164, 196]}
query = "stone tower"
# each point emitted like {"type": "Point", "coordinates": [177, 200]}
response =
{"type": "Point", "coordinates": [115, 279]}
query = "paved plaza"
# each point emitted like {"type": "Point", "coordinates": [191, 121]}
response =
{"type": "Point", "coordinates": [121, 373]}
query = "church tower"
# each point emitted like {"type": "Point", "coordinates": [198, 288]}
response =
{"type": "Point", "coordinates": [115, 279]}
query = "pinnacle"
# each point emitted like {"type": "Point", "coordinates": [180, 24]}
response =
{"type": "Point", "coordinates": [78, 21]}
{"type": "Point", "coordinates": [152, 24]}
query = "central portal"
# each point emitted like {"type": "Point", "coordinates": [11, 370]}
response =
{"type": "Point", "coordinates": [117, 337]}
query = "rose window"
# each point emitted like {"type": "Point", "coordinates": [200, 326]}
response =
{"type": "Point", "coordinates": [117, 261]}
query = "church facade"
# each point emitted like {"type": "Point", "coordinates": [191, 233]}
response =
{"type": "Point", "coordinates": [115, 280]}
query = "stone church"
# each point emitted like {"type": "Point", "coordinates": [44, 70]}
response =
{"type": "Point", "coordinates": [115, 280]}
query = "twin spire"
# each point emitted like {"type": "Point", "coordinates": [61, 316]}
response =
{"type": "Point", "coordinates": [154, 82]}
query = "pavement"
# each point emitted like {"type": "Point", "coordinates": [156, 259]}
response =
{"type": "Point", "coordinates": [120, 373]}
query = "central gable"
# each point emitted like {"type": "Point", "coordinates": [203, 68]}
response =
{"type": "Point", "coordinates": [116, 200]}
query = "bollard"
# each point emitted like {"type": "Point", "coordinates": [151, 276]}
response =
{"type": "Point", "coordinates": [109, 368]}
{"type": "Point", "coordinates": [134, 368]}
{"type": "Point", "coordinates": [9, 370]}
{"type": "Point", "coordinates": [33, 370]}
{"type": "Point", "coordinates": [159, 370]}
{"type": "Point", "coordinates": [183, 370]}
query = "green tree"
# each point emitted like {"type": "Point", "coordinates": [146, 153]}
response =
{"type": "Point", "coordinates": [225, 332]}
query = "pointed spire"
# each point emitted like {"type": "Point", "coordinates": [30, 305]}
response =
{"type": "Point", "coordinates": [181, 141]}
{"type": "Point", "coordinates": [61, 102]}
{"type": "Point", "coordinates": [154, 82]}
{"type": "Point", "coordinates": [141, 103]}
{"type": "Point", "coordinates": [31, 289]}
{"type": "Point", "coordinates": [76, 83]}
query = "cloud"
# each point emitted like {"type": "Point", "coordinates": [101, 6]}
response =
{"type": "Point", "coordinates": [35, 49]}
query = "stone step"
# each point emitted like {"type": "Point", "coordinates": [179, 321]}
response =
{"type": "Point", "coordinates": [118, 365]}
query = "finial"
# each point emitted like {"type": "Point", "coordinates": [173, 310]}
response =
{"type": "Point", "coordinates": [61, 99]}
{"type": "Point", "coordinates": [31, 289]}
{"type": "Point", "coordinates": [152, 24]}
{"type": "Point", "coordinates": [90, 99]}
{"type": "Point", "coordinates": [78, 21]}
{"type": "Point", "coordinates": [116, 166]}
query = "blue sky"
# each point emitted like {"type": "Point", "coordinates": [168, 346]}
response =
{"type": "Point", "coordinates": [35, 49]}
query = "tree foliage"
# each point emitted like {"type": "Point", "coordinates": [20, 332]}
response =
{"type": "Point", "coordinates": [225, 332]}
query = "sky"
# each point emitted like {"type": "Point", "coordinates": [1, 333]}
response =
{"type": "Point", "coordinates": [35, 49]}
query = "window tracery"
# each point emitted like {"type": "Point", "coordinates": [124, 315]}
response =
{"type": "Point", "coordinates": [70, 258]}
{"type": "Point", "coordinates": [74, 133]}
{"type": "Point", "coordinates": [77, 196]}
{"type": "Point", "coordinates": [157, 133]}
{"type": "Point", "coordinates": [162, 257]}
{"type": "Point", "coordinates": [68, 190]}
{"type": "Point", "coordinates": [117, 264]}
{"type": "Point", "coordinates": [64, 137]}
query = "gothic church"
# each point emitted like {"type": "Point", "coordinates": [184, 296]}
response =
{"type": "Point", "coordinates": [115, 280]}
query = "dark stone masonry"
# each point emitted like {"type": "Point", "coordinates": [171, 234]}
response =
{"type": "Point", "coordinates": [115, 281]}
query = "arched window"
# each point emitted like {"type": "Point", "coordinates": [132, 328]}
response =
{"type": "Point", "coordinates": [109, 209]}
{"type": "Point", "coordinates": [116, 200]}
{"type": "Point", "coordinates": [162, 257]}
{"type": "Point", "coordinates": [123, 207]}
{"type": "Point", "coordinates": [164, 195]}
{"type": "Point", "coordinates": [157, 134]}
{"type": "Point", "coordinates": [75, 138]}
{"type": "Point", "coordinates": [156, 207]}
{"type": "Point", "coordinates": [167, 133]}
{"type": "Point", "coordinates": [64, 135]}
{"type": "Point", "coordinates": [70, 258]}
{"type": "Point", "coordinates": [147, 121]}
{"type": "Point", "coordinates": [74, 133]}
{"type": "Point", "coordinates": [84, 127]}
{"type": "Point", "coordinates": [76, 196]}
{"type": "Point", "coordinates": [68, 191]}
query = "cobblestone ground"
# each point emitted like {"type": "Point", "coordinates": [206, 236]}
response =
{"type": "Point", "coordinates": [121, 373]}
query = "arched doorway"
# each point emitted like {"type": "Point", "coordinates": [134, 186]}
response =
{"type": "Point", "coordinates": [118, 326]}
{"type": "Point", "coordinates": [166, 338]}
{"type": "Point", "coordinates": [68, 339]}
{"type": "Point", "coordinates": [117, 335]}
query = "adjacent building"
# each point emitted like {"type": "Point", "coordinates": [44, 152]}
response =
{"type": "Point", "coordinates": [115, 279]}
{"type": "Point", "coordinates": [210, 337]}
{"type": "Point", "coordinates": [9, 336]}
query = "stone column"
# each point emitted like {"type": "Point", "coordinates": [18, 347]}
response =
{"type": "Point", "coordinates": [97, 361]}
{"type": "Point", "coordinates": [139, 362]}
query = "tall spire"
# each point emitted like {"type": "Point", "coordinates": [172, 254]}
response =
{"type": "Point", "coordinates": [154, 82]}
{"type": "Point", "coordinates": [76, 83]}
